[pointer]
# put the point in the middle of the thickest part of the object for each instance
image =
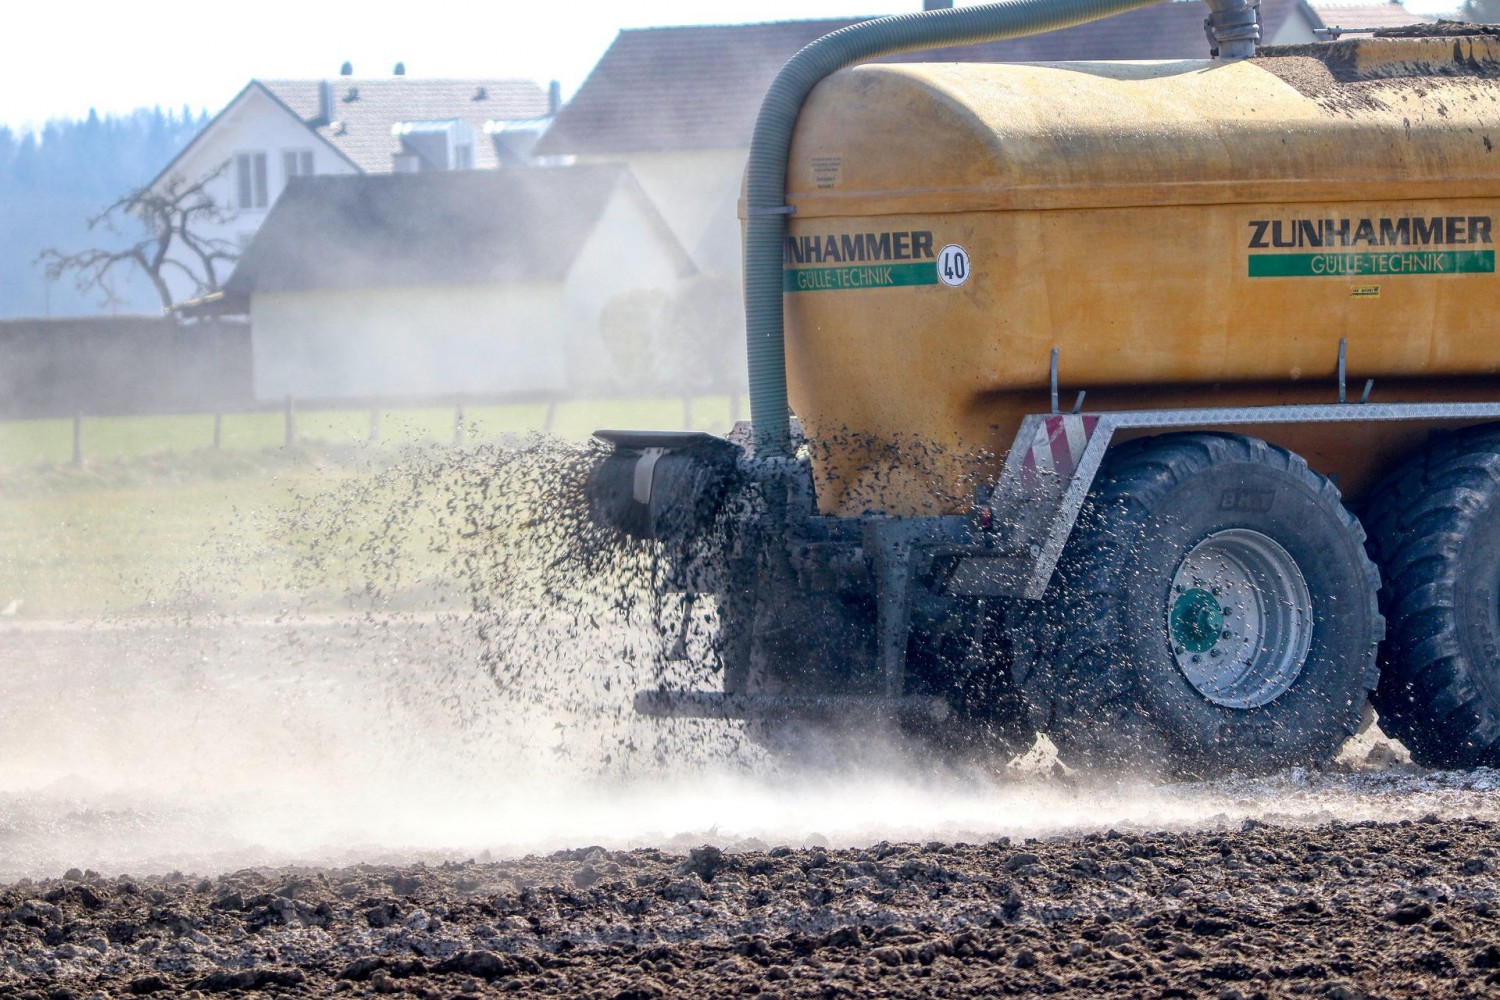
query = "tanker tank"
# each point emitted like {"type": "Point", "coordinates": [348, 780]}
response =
{"type": "Point", "coordinates": [1185, 233]}
{"type": "Point", "coordinates": [1152, 406]}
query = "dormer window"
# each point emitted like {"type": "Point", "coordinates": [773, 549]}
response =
{"type": "Point", "coordinates": [447, 144]}
{"type": "Point", "coordinates": [250, 180]}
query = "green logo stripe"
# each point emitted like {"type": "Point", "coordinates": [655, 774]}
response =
{"type": "Point", "coordinates": [823, 279]}
{"type": "Point", "coordinates": [1318, 265]}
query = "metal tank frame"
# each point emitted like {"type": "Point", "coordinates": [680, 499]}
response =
{"type": "Point", "coordinates": [1007, 547]}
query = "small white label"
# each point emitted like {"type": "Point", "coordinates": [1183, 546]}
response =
{"type": "Point", "coordinates": [953, 265]}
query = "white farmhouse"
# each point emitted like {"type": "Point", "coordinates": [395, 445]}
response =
{"type": "Point", "coordinates": [276, 130]}
{"type": "Point", "coordinates": [489, 283]}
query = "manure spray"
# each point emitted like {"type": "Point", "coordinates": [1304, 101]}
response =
{"type": "Point", "coordinates": [447, 670]}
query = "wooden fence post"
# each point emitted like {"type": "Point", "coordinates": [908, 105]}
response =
{"type": "Point", "coordinates": [291, 421]}
{"type": "Point", "coordinates": [551, 418]}
{"type": "Point", "coordinates": [77, 438]}
{"type": "Point", "coordinates": [374, 437]}
{"type": "Point", "coordinates": [458, 424]}
{"type": "Point", "coordinates": [218, 430]}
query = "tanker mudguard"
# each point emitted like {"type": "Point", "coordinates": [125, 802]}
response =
{"type": "Point", "coordinates": [660, 485]}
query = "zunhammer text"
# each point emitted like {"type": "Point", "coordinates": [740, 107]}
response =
{"type": "Point", "coordinates": [1437, 230]}
{"type": "Point", "coordinates": [847, 248]}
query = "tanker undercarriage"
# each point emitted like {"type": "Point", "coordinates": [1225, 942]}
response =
{"type": "Point", "coordinates": [1188, 602]}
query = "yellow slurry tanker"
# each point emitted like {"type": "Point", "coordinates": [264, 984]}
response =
{"type": "Point", "coordinates": [1083, 355]}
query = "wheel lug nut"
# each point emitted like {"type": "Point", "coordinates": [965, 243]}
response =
{"type": "Point", "coordinates": [1215, 652]}
{"type": "Point", "coordinates": [1197, 658]}
{"type": "Point", "coordinates": [1226, 634]}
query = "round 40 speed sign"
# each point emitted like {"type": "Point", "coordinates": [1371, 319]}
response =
{"type": "Point", "coordinates": [953, 265]}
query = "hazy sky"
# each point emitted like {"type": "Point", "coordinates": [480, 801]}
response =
{"type": "Point", "coordinates": [111, 56]}
{"type": "Point", "coordinates": [63, 58]}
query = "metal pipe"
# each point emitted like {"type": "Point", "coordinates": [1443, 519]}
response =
{"type": "Point", "coordinates": [770, 144]}
{"type": "Point", "coordinates": [1233, 28]}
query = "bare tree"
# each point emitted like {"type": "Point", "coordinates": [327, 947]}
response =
{"type": "Point", "coordinates": [173, 215]}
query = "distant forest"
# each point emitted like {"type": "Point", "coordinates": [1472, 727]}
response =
{"type": "Point", "coordinates": [53, 181]}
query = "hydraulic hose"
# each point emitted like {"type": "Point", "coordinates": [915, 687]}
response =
{"type": "Point", "coordinates": [765, 179]}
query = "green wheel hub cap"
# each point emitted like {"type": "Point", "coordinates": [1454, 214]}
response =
{"type": "Point", "coordinates": [1196, 620]}
{"type": "Point", "coordinates": [1239, 618]}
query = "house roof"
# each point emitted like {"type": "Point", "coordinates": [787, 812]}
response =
{"type": "Point", "coordinates": [362, 123]}
{"type": "Point", "coordinates": [437, 228]}
{"type": "Point", "coordinates": [186, 152]}
{"type": "Point", "coordinates": [695, 87]}
{"type": "Point", "coordinates": [1365, 14]}
{"type": "Point", "coordinates": [700, 86]}
{"type": "Point", "coordinates": [365, 111]}
{"type": "Point", "coordinates": [1169, 30]}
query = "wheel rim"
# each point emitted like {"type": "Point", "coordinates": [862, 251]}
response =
{"type": "Point", "coordinates": [1239, 618]}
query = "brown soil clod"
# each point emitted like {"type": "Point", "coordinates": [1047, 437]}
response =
{"type": "Point", "coordinates": [1363, 910]}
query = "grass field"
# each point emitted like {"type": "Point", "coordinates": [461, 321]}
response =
{"type": "Point", "coordinates": [27, 442]}
{"type": "Point", "coordinates": [155, 521]}
{"type": "Point", "coordinates": [101, 548]}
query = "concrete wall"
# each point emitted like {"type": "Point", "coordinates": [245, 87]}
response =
{"type": "Point", "coordinates": [412, 341]}
{"type": "Point", "coordinates": [112, 365]}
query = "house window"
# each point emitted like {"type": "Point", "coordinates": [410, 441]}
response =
{"type": "Point", "coordinates": [297, 163]}
{"type": "Point", "coordinates": [250, 172]}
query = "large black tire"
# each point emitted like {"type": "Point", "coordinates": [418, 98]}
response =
{"type": "Point", "coordinates": [1435, 533]}
{"type": "Point", "coordinates": [1110, 682]}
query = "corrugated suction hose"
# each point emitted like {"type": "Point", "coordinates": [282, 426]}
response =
{"type": "Point", "coordinates": [765, 184]}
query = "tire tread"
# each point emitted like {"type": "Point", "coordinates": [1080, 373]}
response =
{"type": "Point", "coordinates": [1075, 678]}
{"type": "Point", "coordinates": [1420, 516]}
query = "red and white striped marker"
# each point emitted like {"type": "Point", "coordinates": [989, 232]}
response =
{"type": "Point", "coordinates": [1057, 448]}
